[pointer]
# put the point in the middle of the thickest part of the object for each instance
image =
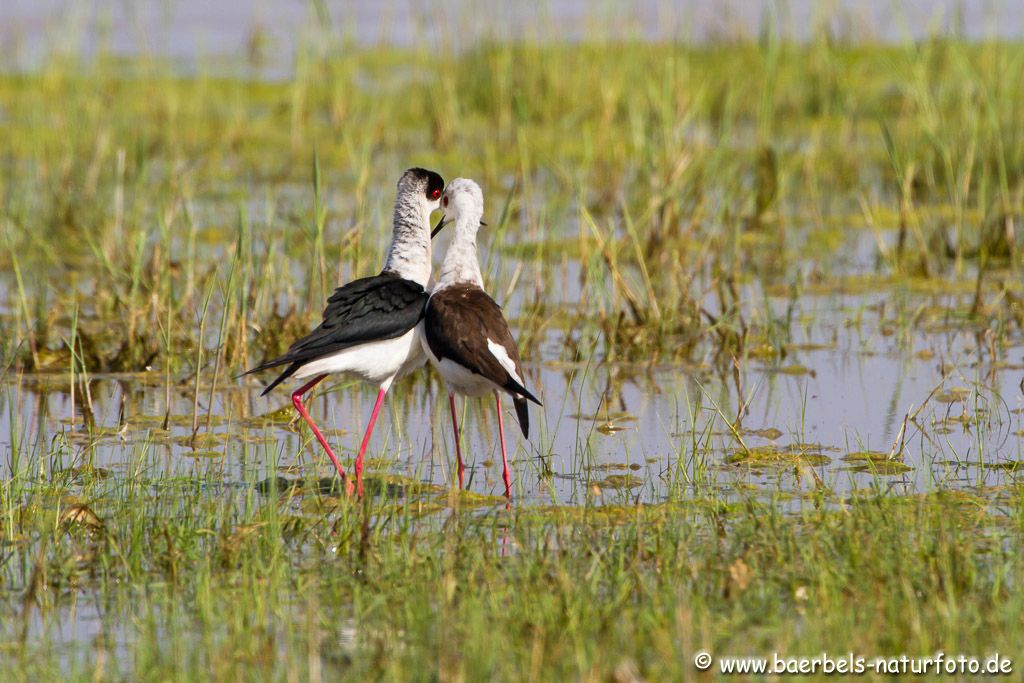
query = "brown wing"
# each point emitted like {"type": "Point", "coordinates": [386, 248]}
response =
{"type": "Point", "coordinates": [460, 320]}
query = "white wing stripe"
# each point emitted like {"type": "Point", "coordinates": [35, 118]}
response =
{"type": "Point", "coordinates": [501, 355]}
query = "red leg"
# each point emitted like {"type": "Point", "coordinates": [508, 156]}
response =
{"type": "Point", "coordinates": [455, 431]}
{"type": "Point", "coordinates": [297, 401]}
{"type": "Point", "coordinates": [504, 456]}
{"type": "Point", "coordinates": [366, 440]}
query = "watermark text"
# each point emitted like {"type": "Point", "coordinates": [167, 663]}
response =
{"type": "Point", "coordinates": [853, 664]}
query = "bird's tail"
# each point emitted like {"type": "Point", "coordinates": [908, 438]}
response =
{"type": "Point", "coordinates": [523, 415]}
{"type": "Point", "coordinates": [288, 372]}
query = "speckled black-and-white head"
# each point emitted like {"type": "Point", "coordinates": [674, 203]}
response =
{"type": "Point", "coordinates": [419, 194]}
{"type": "Point", "coordinates": [422, 183]}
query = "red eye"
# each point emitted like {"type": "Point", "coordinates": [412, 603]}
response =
{"type": "Point", "coordinates": [444, 201]}
{"type": "Point", "coordinates": [435, 194]}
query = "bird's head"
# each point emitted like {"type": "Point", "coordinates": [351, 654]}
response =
{"type": "Point", "coordinates": [423, 184]}
{"type": "Point", "coordinates": [462, 197]}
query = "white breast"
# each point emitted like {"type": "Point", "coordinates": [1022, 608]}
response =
{"type": "Point", "coordinates": [462, 380]}
{"type": "Point", "coordinates": [457, 378]}
{"type": "Point", "coordinates": [377, 362]}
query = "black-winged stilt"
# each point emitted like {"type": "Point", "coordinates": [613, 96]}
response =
{"type": "Point", "coordinates": [464, 332]}
{"type": "Point", "coordinates": [370, 328]}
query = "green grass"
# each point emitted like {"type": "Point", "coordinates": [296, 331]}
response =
{"type": "Point", "coordinates": [242, 585]}
{"type": "Point", "coordinates": [666, 170]}
{"type": "Point", "coordinates": [193, 225]}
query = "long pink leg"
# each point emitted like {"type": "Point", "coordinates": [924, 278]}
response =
{"type": "Point", "coordinates": [366, 440]}
{"type": "Point", "coordinates": [504, 457]}
{"type": "Point", "coordinates": [455, 431]}
{"type": "Point", "coordinates": [297, 402]}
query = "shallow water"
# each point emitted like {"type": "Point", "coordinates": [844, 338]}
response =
{"type": "Point", "coordinates": [608, 432]}
{"type": "Point", "coordinates": [863, 355]}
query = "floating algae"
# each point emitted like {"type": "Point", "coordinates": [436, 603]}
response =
{"type": "Point", "coordinates": [776, 456]}
{"type": "Point", "coordinates": [620, 481]}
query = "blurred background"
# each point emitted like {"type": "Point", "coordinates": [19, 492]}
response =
{"type": "Point", "coordinates": [193, 32]}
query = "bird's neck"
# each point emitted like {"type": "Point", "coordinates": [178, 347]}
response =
{"type": "Point", "coordinates": [460, 262]}
{"type": "Point", "coordinates": [409, 256]}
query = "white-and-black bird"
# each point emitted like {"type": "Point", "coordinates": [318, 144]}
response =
{"type": "Point", "coordinates": [464, 332]}
{"type": "Point", "coordinates": [370, 328]}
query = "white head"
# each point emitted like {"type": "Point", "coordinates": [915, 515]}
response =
{"type": "Point", "coordinates": [462, 197]}
{"type": "Point", "coordinates": [463, 204]}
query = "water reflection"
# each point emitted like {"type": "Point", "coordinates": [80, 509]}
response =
{"type": "Point", "coordinates": [609, 432]}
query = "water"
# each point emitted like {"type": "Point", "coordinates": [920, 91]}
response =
{"type": "Point", "coordinates": [609, 432]}
{"type": "Point", "coordinates": [851, 378]}
{"type": "Point", "coordinates": [199, 33]}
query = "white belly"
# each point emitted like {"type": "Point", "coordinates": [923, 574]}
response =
{"type": "Point", "coordinates": [457, 378]}
{"type": "Point", "coordinates": [379, 362]}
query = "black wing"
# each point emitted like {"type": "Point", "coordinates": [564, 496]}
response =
{"type": "Point", "coordinates": [460, 320]}
{"type": "Point", "coordinates": [369, 309]}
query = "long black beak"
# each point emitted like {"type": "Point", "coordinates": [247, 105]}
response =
{"type": "Point", "coordinates": [440, 224]}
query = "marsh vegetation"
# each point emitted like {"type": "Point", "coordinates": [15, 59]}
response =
{"type": "Point", "coordinates": [769, 292]}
